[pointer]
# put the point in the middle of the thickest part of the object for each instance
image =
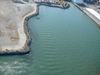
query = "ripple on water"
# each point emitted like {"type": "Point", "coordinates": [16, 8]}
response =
{"type": "Point", "coordinates": [62, 45]}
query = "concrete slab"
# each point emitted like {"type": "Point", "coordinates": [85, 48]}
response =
{"type": "Point", "coordinates": [93, 12]}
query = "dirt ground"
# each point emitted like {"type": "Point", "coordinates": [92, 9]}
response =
{"type": "Point", "coordinates": [12, 16]}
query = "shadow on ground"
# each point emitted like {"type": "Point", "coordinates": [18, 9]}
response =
{"type": "Point", "coordinates": [89, 2]}
{"type": "Point", "coordinates": [82, 5]}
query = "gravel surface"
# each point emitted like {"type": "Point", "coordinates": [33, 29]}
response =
{"type": "Point", "coordinates": [12, 17]}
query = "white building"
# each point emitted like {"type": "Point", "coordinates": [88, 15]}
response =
{"type": "Point", "coordinates": [78, 1]}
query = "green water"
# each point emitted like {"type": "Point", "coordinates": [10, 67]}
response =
{"type": "Point", "coordinates": [65, 42]}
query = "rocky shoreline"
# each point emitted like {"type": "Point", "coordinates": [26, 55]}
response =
{"type": "Point", "coordinates": [61, 4]}
{"type": "Point", "coordinates": [24, 39]}
{"type": "Point", "coordinates": [22, 47]}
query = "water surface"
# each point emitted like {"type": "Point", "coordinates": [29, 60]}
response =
{"type": "Point", "coordinates": [65, 42]}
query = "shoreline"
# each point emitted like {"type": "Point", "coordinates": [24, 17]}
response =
{"type": "Point", "coordinates": [25, 38]}
{"type": "Point", "coordinates": [93, 16]}
{"type": "Point", "coordinates": [61, 4]}
{"type": "Point", "coordinates": [88, 13]}
{"type": "Point", "coordinates": [24, 41]}
{"type": "Point", "coordinates": [23, 30]}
